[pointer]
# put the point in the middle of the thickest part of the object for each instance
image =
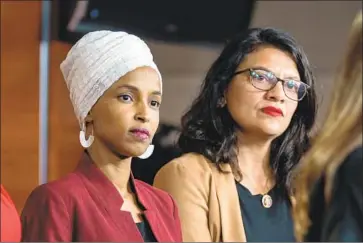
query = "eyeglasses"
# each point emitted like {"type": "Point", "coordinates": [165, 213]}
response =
{"type": "Point", "coordinates": [265, 80]}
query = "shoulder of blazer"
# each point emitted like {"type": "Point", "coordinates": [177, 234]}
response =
{"type": "Point", "coordinates": [190, 169]}
{"type": "Point", "coordinates": [192, 165]}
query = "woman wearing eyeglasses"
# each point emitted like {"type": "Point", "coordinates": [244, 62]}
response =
{"type": "Point", "coordinates": [241, 138]}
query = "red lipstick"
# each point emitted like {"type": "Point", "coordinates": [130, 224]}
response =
{"type": "Point", "coordinates": [272, 111]}
{"type": "Point", "coordinates": [140, 133]}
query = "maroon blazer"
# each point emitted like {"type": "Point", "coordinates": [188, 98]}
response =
{"type": "Point", "coordinates": [85, 206]}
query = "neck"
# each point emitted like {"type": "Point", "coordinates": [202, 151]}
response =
{"type": "Point", "coordinates": [254, 156]}
{"type": "Point", "coordinates": [116, 169]}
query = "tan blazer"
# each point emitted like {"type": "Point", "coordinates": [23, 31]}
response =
{"type": "Point", "coordinates": [207, 199]}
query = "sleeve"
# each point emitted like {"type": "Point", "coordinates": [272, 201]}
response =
{"type": "Point", "coordinates": [179, 237]}
{"type": "Point", "coordinates": [45, 217]}
{"type": "Point", "coordinates": [343, 220]}
{"type": "Point", "coordinates": [191, 198]}
{"type": "Point", "coordinates": [10, 221]}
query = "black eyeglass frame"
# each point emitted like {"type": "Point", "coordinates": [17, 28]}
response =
{"type": "Point", "coordinates": [250, 70]}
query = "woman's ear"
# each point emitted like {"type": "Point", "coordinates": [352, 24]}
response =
{"type": "Point", "coordinates": [88, 119]}
{"type": "Point", "coordinates": [223, 100]}
{"type": "Point", "coordinates": [88, 123]}
{"type": "Point", "coordinates": [225, 94]}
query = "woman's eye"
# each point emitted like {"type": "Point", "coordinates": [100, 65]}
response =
{"type": "Point", "coordinates": [155, 103]}
{"type": "Point", "coordinates": [259, 77]}
{"type": "Point", "coordinates": [126, 98]}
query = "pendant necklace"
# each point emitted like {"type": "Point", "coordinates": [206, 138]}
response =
{"type": "Point", "coordinates": [266, 199]}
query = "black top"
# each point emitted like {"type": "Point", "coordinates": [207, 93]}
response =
{"type": "Point", "coordinates": [342, 219]}
{"type": "Point", "coordinates": [144, 226]}
{"type": "Point", "coordinates": [266, 224]}
{"type": "Point", "coordinates": [146, 231]}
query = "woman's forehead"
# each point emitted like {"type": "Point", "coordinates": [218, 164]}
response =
{"type": "Point", "coordinates": [142, 79]}
{"type": "Point", "coordinates": [277, 61]}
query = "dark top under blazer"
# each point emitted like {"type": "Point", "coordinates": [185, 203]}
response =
{"type": "Point", "coordinates": [85, 206]}
{"type": "Point", "coordinates": [266, 224]}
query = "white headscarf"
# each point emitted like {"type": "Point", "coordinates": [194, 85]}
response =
{"type": "Point", "coordinates": [98, 60]}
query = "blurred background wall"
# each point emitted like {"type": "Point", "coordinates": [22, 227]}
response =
{"type": "Point", "coordinates": [320, 26]}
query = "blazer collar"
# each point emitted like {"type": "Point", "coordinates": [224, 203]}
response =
{"type": "Point", "coordinates": [229, 204]}
{"type": "Point", "coordinates": [107, 195]}
{"type": "Point", "coordinates": [105, 187]}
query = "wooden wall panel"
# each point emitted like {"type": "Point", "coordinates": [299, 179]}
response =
{"type": "Point", "coordinates": [20, 31]}
{"type": "Point", "coordinates": [64, 148]}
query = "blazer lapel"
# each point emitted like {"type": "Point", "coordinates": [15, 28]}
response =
{"type": "Point", "coordinates": [106, 194]}
{"type": "Point", "coordinates": [157, 224]}
{"type": "Point", "coordinates": [231, 217]}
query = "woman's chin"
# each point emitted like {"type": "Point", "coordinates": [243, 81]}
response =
{"type": "Point", "coordinates": [132, 151]}
{"type": "Point", "coordinates": [272, 130]}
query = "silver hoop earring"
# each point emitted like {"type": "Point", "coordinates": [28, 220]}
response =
{"type": "Point", "coordinates": [148, 152]}
{"type": "Point", "coordinates": [86, 143]}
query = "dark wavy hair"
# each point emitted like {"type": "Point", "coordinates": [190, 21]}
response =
{"type": "Point", "coordinates": [211, 131]}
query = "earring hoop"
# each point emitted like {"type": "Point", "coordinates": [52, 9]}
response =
{"type": "Point", "coordinates": [148, 152]}
{"type": "Point", "coordinates": [86, 143]}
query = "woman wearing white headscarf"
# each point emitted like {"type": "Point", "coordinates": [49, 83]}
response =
{"type": "Point", "coordinates": [115, 88]}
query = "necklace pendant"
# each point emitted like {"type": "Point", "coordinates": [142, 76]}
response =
{"type": "Point", "coordinates": [266, 201]}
